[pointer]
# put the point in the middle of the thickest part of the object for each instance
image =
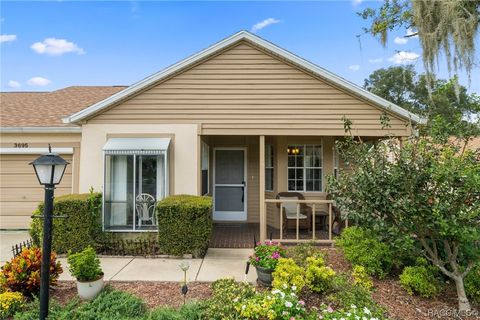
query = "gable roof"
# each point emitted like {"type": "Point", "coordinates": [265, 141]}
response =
{"type": "Point", "coordinates": [249, 37]}
{"type": "Point", "coordinates": [46, 109]}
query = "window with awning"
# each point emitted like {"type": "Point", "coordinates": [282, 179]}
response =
{"type": "Point", "coordinates": [136, 177]}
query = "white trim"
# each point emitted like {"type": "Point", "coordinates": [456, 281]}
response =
{"type": "Point", "coordinates": [35, 150]}
{"type": "Point", "coordinates": [40, 129]}
{"type": "Point", "coordinates": [233, 215]}
{"type": "Point", "coordinates": [243, 35]}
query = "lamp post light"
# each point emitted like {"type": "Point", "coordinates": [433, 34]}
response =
{"type": "Point", "coordinates": [49, 169]}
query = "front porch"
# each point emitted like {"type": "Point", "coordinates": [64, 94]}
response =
{"type": "Point", "coordinates": [269, 187]}
{"type": "Point", "coordinates": [244, 235]}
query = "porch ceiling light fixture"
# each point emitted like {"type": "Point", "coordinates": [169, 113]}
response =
{"type": "Point", "coordinates": [49, 169]}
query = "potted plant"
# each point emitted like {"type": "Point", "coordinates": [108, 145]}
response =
{"type": "Point", "coordinates": [265, 259]}
{"type": "Point", "coordinates": [85, 267]}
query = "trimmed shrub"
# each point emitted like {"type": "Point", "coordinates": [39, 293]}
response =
{"type": "Point", "coordinates": [184, 224]}
{"type": "Point", "coordinates": [79, 229]}
{"type": "Point", "coordinates": [22, 273]}
{"type": "Point", "coordinates": [10, 302]}
{"type": "Point", "coordinates": [318, 277]}
{"type": "Point", "coordinates": [361, 278]}
{"type": "Point", "coordinates": [472, 284]}
{"type": "Point", "coordinates": [362, 248]}
{"type": "Point", "coordinates": [288, 274]}
{"type": "Point", "coordinates": [226, 293]}
{"type": "Point", "coordinates": [420, 280]}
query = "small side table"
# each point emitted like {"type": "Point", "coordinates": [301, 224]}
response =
{"type": "Point", "coordinates": [321, 217]}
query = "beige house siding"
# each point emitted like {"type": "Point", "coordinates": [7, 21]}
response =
{"type": "Point", "coordinates": [20, 191]}
{"type": "Point", "coordinates": [182, 160]}
{"type": "Point", "coordinates": [244, 90]}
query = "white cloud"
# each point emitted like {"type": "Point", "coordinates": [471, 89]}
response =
{"type": "Point", "coordinates": [38, 81]}
{"type": "Point", "coordinates": [404, 57]}
{"type": "Point", "coordinates": [375, 61]}
{"type": "Point", "coordinates": [13, 84]}
{"type": "Point", "coordinates": [400, 40]}
{"type": "Point", "coordinates": [56, 47]}
{"type": "Point", "coordinates": [262, 24]}
{"type": "Point", "coordinates": [356, 2]}
{"type": "Point", "coordinates": [8, 37]}
{"type": "Point", "coordinates": [354, 67]}
{"type": "Point", "coordinates": [410, 33]}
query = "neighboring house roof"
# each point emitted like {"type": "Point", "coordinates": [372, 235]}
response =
{"type": "Point", "coordinates": [228, 42]}
{"type": "Point", "coordinates": [46, 109]}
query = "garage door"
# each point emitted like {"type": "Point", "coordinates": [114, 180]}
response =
{"type": "Point", "coordinates": [20, 191]}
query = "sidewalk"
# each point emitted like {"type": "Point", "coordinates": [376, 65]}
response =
{"type": "Point", "coordinates": [217, 263]}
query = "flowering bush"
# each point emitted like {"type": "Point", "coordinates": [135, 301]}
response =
{"type": "Point", "coordinates": [318, 277]}
{"type": "Point", "coordinates": [352, 313]}
{"type": "Point", "coordinates": [288, 274]}
{"type": "Point", "coordinates": [22, 273]}
{"type": "Point", "coordinates": [361, 278]}
{"type": "Point", "coordinates": [274, 305]}
{"type": "Point", "coordinates": [267, 255]}
{"type": "Point", "coordinates": [10, 302]}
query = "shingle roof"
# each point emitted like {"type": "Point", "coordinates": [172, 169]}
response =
{"type": "Point", "coordinates": [46, 109]}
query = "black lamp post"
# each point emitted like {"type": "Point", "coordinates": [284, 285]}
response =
{"type": "Point", "coordinates": [49, 169]}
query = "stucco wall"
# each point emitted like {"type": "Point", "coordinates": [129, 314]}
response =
{"type": "Point", "coordinates": [183, 159]}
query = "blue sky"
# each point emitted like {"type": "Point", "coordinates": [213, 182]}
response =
{"type": "Point", "coordinates": [50, 45]}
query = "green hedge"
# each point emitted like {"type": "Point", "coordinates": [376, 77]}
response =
{"type": "Point", "coordinates": [184, 224]}
{"type": "Point", "coordinates": [81, 227]}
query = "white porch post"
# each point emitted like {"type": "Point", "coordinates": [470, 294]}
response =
{"type": "Point", "coordinates": [263, 213]}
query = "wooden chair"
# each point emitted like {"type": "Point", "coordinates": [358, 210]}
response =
{"type": "Point", "coordinates": [289, 211]}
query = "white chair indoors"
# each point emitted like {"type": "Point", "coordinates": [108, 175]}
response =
{"type": "Point", "coordinates": [145, 207]}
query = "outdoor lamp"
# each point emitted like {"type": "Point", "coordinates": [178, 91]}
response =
{"type": "Point", "coordinates": [49, 169]}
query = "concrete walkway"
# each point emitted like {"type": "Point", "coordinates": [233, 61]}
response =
{"type": "Point", "coordinates": [217, 263]}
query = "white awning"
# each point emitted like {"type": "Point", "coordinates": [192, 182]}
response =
{"type": "Point", "coordinates": [136, 145]}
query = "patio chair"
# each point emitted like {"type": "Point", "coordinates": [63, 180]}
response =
{"type": "Point", "coordinates": [145, 208]}
{"type": "Point", "coordinates": [290, 211]}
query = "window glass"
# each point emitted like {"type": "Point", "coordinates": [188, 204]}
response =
{"type": "Point", "coordinates": [304, 167]}
{"type": "Point", "coordinates": [269, 167]}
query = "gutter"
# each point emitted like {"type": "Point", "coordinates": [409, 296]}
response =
{"type": "Point", "coordinates": [40, 129]}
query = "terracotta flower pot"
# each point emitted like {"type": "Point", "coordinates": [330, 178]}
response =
{"type": "Point", "coordinates": [264, 275]}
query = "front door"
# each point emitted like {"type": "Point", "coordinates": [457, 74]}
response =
{"type": "Point", "coordinates": [229, 189]}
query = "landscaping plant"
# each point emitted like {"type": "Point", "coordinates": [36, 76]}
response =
{"type": "Point", "coordinates": [84, 265]}
{"type": "Point", "coordinates": [22, 273]}
{"type": "Point", "coordinates": [318, 277]}
{"type": "Point", "coordinates": [81, 226]}
{"type": "Point", "coordinates": [10, 302]}
{"type": "Point", "coordinates": [361, 278]}
{"type": "Point", "coordinates": [184, 224]}
{"type": "Point", "coordinates": [267, 255]}
{"type": "Point", "coordinates": [351, 313]}
{"type": "Point", "coordinates": [428, 189]}
{"type": "Point", "coordinates": [300, 252]}
{"type": "Point", "coordinates": [288, 274]}
{"type": "Point", "coordinates": [189, 311]}
{"type": "Point", "coordinates": [362, 248]}
{"type": "Point", "coordinates": [420, 280]}
{"type": "Point", "coordinates": [472, 284]}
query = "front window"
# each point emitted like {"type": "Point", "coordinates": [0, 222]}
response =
{"type": "Point", "coordinates": [305, 168]}
{"type": "Point", "coordinates": [133, 185]}
{"type": "Point", "coordinates": [269, 167]}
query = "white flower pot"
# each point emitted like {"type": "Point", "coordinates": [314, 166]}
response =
{"type": "Point", "coordinates": [87, 290]}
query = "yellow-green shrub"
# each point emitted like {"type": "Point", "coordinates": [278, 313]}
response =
{"type": "Point", "coordinates": [318, 277]}
{"type": "Point", "coordinates": [288, 274]}
{"type": "Point", "coordinates": [10, 302]}
{"type": "Point", "coordinates": [420, 280]}
{"type": "Point", "coordinates": [184, 224]}
{"type": "Point", "coordinates": [81, 227]}
{"type": "Point", "coordinates": [361, 278]}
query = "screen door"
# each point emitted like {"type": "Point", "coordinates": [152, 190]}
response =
{"type": "Point", "coordinates": [230, 184]}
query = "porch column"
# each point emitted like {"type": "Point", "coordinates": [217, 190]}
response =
{"type": "Point", "coordinates": [263, 214]}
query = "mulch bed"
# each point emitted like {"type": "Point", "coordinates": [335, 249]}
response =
{"type": "Point", "coordinates": [388, 294]}
{"type": "Point", "coordinates": [153, 293]}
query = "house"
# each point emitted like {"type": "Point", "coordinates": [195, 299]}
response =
{"type": "Point", "coordinates": [241, 120]}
